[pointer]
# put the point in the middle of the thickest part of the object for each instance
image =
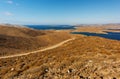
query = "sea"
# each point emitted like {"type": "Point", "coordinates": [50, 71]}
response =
{"type": "Point", "coordinates": [51, 27]}
{"type": "Point", "coordinates": [109, 35]}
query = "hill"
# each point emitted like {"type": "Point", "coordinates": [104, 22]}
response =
{"type": "Point", "coordinates": [20, 31]}
{"type": "Point", "coordinates": [86, 57]}
{"type": "Point", "coordinates": [14, 40]}
{"type": "Point", "coordinates": [98, 28]}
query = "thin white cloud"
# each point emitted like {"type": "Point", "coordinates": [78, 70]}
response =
{"type": "Point", "coordinates": [10, 2]}
{"type": "Point", "coordinates": [8, 14]}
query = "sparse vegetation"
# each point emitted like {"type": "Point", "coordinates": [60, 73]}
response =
{"type": "Point", "coordinates": [86, 57]}
{"type": "Point", "coordinates": [14, 40]}
{"type": "Point", "coordinates": [82, 58]}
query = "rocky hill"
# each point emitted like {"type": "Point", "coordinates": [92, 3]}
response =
{"type": "Point", "coordinates": [86, 57]}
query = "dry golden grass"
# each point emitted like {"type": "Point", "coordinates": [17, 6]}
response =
{"type": "Point", "coordinates": [99, 28]}
{"type": "Point", "coordinates": [14, 40]}
{"type": "Point", "coordinates": [83, 58]}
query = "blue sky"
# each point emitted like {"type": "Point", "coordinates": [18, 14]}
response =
{"type": "Point", "coordinates": [59, 11]}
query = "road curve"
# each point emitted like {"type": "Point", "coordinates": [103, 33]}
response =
{"type": "Point", "coordinates": [41, 50]}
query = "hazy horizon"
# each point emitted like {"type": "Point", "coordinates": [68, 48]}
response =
{"type": "Point", "coordinates": [59, 12]}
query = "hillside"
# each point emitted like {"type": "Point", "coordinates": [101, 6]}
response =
{"type": "Point", "coordinates": [14, 40]}
{"type": "Point", "coordinates": [98, 28]}
{"type": "Point", "coordinates": [83, 58]}
{"type": "Point", "coordinates": [20, 31]}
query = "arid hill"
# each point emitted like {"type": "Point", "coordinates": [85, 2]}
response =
{"type": "Point", "coordinates": [20, 31]}
{"type": "Point", "coordinates": [14, 40]}
{"type": "Point", "coordinates": [98, 28]}
{"type": "Point", "coordinates": [86, 57]}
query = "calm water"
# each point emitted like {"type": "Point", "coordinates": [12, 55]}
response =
{"type": "Point", "coordinates": [49, 27]}
{"type": "Point", "coordinates": [109, 35]}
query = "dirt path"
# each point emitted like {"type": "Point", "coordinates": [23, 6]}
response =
{"type": "Point", "coordinates": [45, 49]}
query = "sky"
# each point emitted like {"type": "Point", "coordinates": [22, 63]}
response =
{"type": "Point", "coordinates": [59, 11]}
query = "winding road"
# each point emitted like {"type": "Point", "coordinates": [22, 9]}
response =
{"type": "Point", "coordinates": [41, 50]}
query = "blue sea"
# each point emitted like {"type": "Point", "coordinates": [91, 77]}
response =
{"type": "Point", "coordinates": [109, 35]}
{"type": "Point", "coordinates": [51, 27]}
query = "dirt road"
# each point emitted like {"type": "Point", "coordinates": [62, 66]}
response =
{"type": "Point", "coordinates": [45, 49]}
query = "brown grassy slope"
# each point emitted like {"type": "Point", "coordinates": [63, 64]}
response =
{"type": "Point", "coordinates": [15, 40]}
{"type": "Point", "coordinates": [11, 45]}
{"type": "Point", "coordinates": [98, 28]}
{"type": "Point", "coordinates": [20, 31]}
{"type": "Point", "coordinates": [82, 58]}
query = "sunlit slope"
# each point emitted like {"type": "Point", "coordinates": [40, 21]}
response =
{"type": "Point", "coordinates": [84, 57]}
{"type": "Point", "coordinates": [14, 40]}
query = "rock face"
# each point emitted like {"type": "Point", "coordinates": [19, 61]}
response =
{"type": "Point", "coordinates": [82, 58]}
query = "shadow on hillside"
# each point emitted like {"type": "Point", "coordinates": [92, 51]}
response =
{"type": "Point", "coordinates": [109, 35]}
